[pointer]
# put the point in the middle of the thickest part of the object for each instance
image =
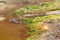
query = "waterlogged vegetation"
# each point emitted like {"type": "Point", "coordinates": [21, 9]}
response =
{"type": "Point", "coordinates": [42, 6]}
{"type": "Point", "coordinates": [41, 18]}
{"type": "Point", "coordinates": [36, 24]}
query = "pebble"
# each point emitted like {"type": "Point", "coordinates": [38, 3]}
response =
{"type": "Point", "coordinates": [15, 20]}
{"type": "Point", "coordinates": [2, 18]}
{"type": "Point", "coordinates": [53, 12]}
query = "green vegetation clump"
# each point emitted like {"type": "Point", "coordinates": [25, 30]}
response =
{"type": "Point", "coordinates": [41, 18]}
{"type": "Point", "coordinates": [32, 22]}
{"type": "Point", "coordinates": [55, 5]}
{"type": "Point", "coordinates": [21, 11]}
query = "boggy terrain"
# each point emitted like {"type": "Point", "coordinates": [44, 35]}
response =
{"type": "Point", "coordinates": [13, 31]}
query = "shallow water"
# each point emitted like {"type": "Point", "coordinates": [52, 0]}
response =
{"type": "Point", "coordinates": [11, 30]}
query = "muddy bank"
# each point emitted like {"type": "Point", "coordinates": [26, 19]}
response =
{"type": "Point", "coordinates": [11, 30]}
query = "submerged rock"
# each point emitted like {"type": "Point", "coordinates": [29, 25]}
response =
{"type": "Point", "coordinates": [15, 20]}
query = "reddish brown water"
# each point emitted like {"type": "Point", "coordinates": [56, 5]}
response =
{"type": "Point", "coordinates": [12, 31]}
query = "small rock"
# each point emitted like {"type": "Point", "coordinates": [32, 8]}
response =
{"type": "Point", "coordinates": [15, 20]}
{"type": "Point", "coordinates": [53, 12]}
{"type": "Point", "coordinates": [2, 18]}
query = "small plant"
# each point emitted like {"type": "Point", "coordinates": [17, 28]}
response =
{"type": "Point", "coordinates": [55, 5]}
